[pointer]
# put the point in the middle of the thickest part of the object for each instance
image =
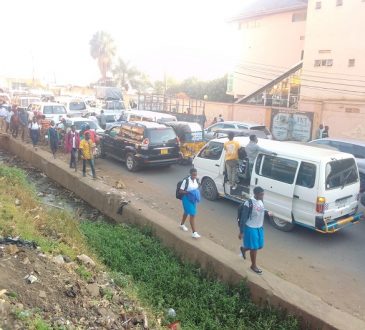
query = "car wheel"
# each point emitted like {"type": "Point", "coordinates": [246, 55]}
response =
{"type": "Point", "coordinates": [281, 224]}
{"type": "Point", "coordinates": [131, 163]}
{"type": "Point", "coordinates": [209, 189]}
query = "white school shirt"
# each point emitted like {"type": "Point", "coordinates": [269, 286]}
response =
{"type": "Point", "coordinates": [33, 126]}
{"type": "Point", "coordinates": [74, 140]}
{"type": "Point", "coordinates": [257, 216]}
{"type": "Point", "coordinates": [192, 185]}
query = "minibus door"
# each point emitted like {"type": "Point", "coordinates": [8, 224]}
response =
{"type": "Point", "coordinates": [276, 175]}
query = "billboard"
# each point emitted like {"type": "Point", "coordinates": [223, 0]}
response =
{"type": "Point", "coordinates": [289, 125]}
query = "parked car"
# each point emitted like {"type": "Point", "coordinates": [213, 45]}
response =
{"type": "Point", "coordinates": [145, 115]}
{"type": "Point", "coordinates": [141, 144]}
{"type": "Point", "coordinates": [52, 111]}
{"type": "Point", "coordinates": [307, 186]}
{"type": "Point", "coordinates": [354, 147]}
{"type": "Point", "coordinates": [75, 107]}
{"type": "Point", "coordinates": [222, 133]}
{"type": "Point", "coordinates": [209, 131]}
{"type": "Point", "coordinates": [80, 121]}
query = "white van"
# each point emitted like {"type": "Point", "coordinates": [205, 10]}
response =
{"type": "Point", "coordinates": [144, 115]}
{"type": "Point", "coordinates": [75, 107]}
{"type": "Point", "coordinates": [312, 187]}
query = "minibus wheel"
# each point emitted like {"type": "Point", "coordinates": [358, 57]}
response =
{"type": "Point", "coordinates": [209, 189]}
{"type": "Point", "coordinates": [281, 224]}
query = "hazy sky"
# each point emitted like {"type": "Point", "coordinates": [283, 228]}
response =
{"type": "Point", "coordinates": [181, 38]}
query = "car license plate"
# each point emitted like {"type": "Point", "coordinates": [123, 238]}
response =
{"type": "Point", "coordinates": [342, 203]}
{"type": "Point", "coordinates": [164, 151]}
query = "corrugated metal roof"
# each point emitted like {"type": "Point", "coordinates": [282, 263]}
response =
{"type": "Point", "coordinates": [253, 8]}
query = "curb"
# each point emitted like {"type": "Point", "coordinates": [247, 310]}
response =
{"type": "Point", "coordinates": [227, 266]}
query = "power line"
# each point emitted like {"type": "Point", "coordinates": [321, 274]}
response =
{"type": "Point", "coordinates": [318, 72]}
{"type": "Point", "coordinates": [311, 80]}
{"type": "Point", "coordinates": [277, 72]}
{"type": "Point", "coordinates": [337, 91]}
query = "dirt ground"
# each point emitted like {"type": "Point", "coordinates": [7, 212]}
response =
{"type": "Point", "coordinates": [59, 296]}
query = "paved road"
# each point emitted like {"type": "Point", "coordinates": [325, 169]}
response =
{"type": "Point", "coordinates": [330, 266]}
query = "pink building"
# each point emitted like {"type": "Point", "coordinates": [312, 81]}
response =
{"type": "Point", "coordinates": [309, 68]}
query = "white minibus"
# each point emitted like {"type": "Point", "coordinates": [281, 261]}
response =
{"type": "Point", "coordinates": [312, 187]}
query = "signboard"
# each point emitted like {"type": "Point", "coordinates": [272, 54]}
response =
{"type": "Point", "coordinates": [287, 125]}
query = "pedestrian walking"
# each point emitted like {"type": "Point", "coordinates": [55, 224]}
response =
{"type": "Point", "coordinates": [3, 115]}
{"type": "Point", "coordinates": [72, 144]}
{"type": "Point", "coordinates": [34, 132]}
{"type": "Point", "coordinates": [189, 190]}
{"type": "Point", "coordinates": [325, 133]}
{"type": "Point", "coordinates": [319, 134]}
{"type": "Point", "coordinates": [251, 227]}
{"type": "Point", "coordinates": [14, 122]}
{"type": "Point", "coordinates": [24, 122]}
{"type": "Point", "coordinates": [102, 120]}
{"type": "Point", "coordinates": [8, 120]}
{"type": "Point", "coordinates": [86, 148]}
{"type": "Point", "coordinates": [53, 138]}
{"type": "Point", "coordinates": [231, 147]}
{"type": "Point", "coordinates": [252, 150]}
{"type": "Point", "coordinates": [220, 118]}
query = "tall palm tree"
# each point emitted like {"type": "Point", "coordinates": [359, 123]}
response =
{"type": "Point", "coordinates": [124, 72]}
{"type": "Point", "coordinates": [102, 49]}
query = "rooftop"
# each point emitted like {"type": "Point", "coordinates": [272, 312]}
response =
{"type": "Point", "coordinates": [254, 8]}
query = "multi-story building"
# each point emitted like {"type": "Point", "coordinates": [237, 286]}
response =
{"type": "Point", "coordinates": [271, 41]}
{"type": "Point", "coordinates": [326, 84]}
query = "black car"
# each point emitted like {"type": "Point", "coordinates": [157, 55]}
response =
{"type": "Point", "coordinates": [141, 144]}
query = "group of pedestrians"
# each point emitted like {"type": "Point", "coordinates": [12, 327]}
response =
{"type": "Point", "coordinates": [322, 132]}
{"type": "Point", "coordinates": [252, 212]}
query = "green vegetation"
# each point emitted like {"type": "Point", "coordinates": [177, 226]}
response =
{"type": "Point", "coordinates": [140, 265]}
{"type": "Point", "coordinates": [164, 282]}
{"type": "Point", "coordinates": [84, 273]}
{"type": "Point", "coordinates": [54, 231]}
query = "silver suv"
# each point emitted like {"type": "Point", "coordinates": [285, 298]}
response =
{"type": "Point", "coordinates": [209, 133]}
{"type": "Point", "coordinates": [354, 147]}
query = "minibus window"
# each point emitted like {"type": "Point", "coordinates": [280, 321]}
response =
{"type": "Point", "coordinates": [306, 175]}
{"type": "Point", "coordinates": [279, 169]}
{"type": "Point", "coordinates": [213, 151]}
{"type": "Point", "coordinates": [340, 173]}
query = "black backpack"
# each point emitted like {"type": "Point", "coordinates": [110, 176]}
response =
{"type": "Point", "coordinates": [240, 209]}
{"type": "Point", "coordinates": [178, 194]}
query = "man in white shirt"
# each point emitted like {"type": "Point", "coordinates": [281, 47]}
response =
{"type": "Point", "coordinates": [251, 227]}
{"type": "Point", "coordinates": [3, 115]}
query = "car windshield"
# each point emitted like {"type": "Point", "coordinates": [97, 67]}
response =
{"type": "Point", "coordinates": [161, 135]}
{"type": "Point", "coordinates": [54, 110]}
{"type": "Point", "coordinates": [261, 128]}
{"type": "Point", "coordinates": [79, 124]}
{"type": "Point", "coordinates": [340, 173]}
{"type": "Point", "coordinates": [114, 105]}
{"type": "Point", "coordinates": [75, 106]}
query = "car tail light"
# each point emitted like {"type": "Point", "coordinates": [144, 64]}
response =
{"type": "Point", "coordinates": [145, 143]}
{"type": "Point", "coordinates": [320, 206]}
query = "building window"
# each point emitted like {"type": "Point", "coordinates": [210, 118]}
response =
{"type": "Point", "coordinates": [324, 62]}
{"type": "Point", "coordinates": [299, 17]}
{"type": "Point", "coordinates": [302, 55]}
{"type": "Point", "coordinates": [302, 38]}
{"type": "Point", "coordinates": [324, 51]}
{"type": "Point", "coordinates": [339, 2]}
{"type": "Point", "coordinates": [351, 62]}
{"type": "Point", "coordinates": [318, 5]}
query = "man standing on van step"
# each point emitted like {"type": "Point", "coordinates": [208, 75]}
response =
{"type": "Point", "coordinates": [251, 227]}
{"type": "Point", "coordinates": [231, 147]}
{"type": "Point", "coordinates": [253, 149]}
